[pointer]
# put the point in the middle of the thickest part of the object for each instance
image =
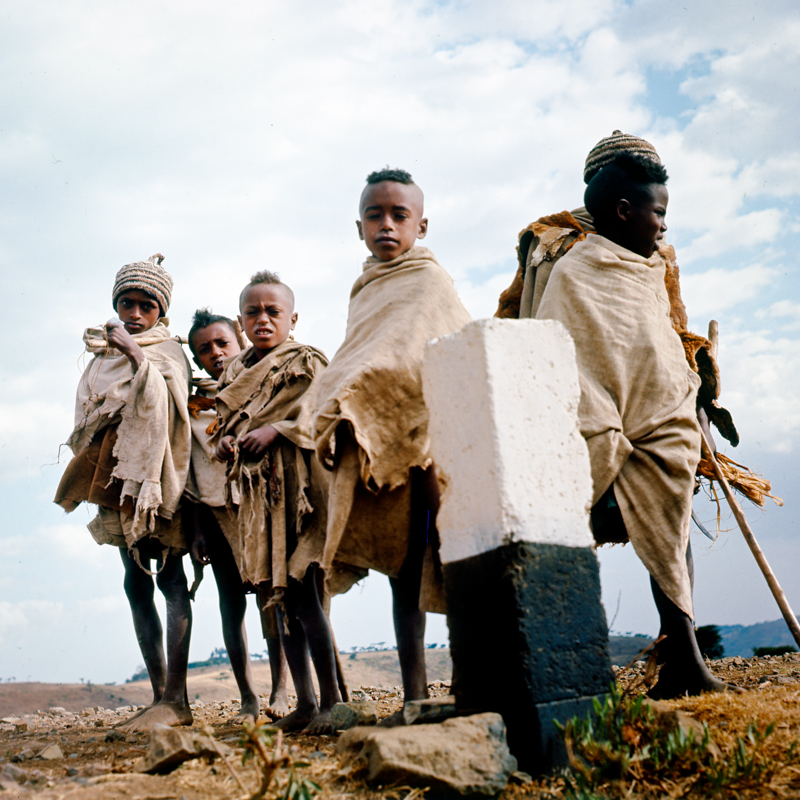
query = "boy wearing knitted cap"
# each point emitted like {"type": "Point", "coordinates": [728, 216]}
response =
{"type": "Point", "coordinates": [638, 409]}
{"type": "Point", "coordinates": [131, 445]}
{"type": "Point", "coordinates": [371, 422]}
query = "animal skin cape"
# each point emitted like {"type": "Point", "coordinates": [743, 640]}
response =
{"type": "Point", "coordinates": [283, 496]}
{"type": "Point", "coordinates": [153, 435]}
{"type": "Point", "coordinates": [638, 398]}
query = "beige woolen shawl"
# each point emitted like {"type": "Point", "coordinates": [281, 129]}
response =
{"type": "Point", "coordinates": [154, 437]}
{"type": "Point", "coordinates": [637, 410]}
{"type": "Point", "coordinates": [374, 381]}
{"type": "Point", "coordinates": [374, 385]}
{"type": "Point", "coordinates": [283, 496]}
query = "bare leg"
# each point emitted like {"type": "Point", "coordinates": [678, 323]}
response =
{"type": "Point", "coordinates": [409, 618]}
{"type": "Point", "coordinates": [279, 695]}
{"type": "Point", "coordinates": [232, 606]}
{"type": "Point", "coordinates": [295, 647]}
{"type": "Point", "coordinates": [304, 603]}
{"type": "Point", "coordinates": [173, 708]}
{"type": "Point", "coordinates": [684, 671]}
{"type": "Point", "coordinates": [139, 589]}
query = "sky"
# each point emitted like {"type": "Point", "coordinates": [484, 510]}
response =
{"type": "Point", "coordinates": [236, 137]}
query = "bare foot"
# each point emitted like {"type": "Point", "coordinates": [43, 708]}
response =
{"type": "Point", "coordinates": [172, 714]}
{"type": "Point", "coordinates": [248, 712]}
{"type": "Point", "coordinates": [299, 719]}
{"type": "Point", "coordinates": [675, 682]}
{"type": "Point", "coordinates": [134, 716]}
{"type": "Point", "coordinates": [278, 706]}
{"type": "Point", "coordinates": [320, 724]}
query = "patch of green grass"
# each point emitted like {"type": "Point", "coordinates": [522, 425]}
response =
{"type": "Point", "coordinates": [623, 749]}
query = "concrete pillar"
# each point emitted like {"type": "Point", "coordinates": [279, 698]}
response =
{"type": "Point", "coordinates": [528, 632]}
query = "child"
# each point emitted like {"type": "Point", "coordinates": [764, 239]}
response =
{"type": "Point", "coordinates": [214, 532]}
{"type": "Point", "coordinates": [637, 410]}
{"type": "Point", "coordinates": [370, 423]}
{"type": "Point", "coordinates": [262, 431]}
{"type": "Point", "coordinates": [132, 444]}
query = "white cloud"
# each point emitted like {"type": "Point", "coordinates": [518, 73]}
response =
{"type": "Point", "coordinates": [708, 294]}
{"type": "Point", "coordinates": [237, 142]}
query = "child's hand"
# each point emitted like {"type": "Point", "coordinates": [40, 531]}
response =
{"type": "Point", "coordinates": [118, 337]}
{"type": "Point", "coordinates": [224, 451]}
{"type": "Point", "coordinates": [257, 442]}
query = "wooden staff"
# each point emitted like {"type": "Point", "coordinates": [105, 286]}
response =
{"type": "Point", "coordinates": [747, 532]}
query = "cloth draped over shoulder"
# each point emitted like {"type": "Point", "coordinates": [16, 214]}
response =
{"type": "Point", "coordinates": [148, 411]}
{"type": "Point", "coordinates": [371, 422]}
{"type": "Point", "coordinates": [282, 512]}
{"type": "Point", "coordinates": [395, 307]}
{"type": "Point", "coordinates": [207, 480]}
{"type": "Point", "coordinates": [545, 241]}
{"type": "Point", "coordinates": [638, 398]}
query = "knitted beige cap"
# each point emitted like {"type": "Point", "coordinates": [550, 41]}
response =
{"type": "Point", "coordinates": [148, 276]}
{"type": "Point", "coordinates": [606, 150]}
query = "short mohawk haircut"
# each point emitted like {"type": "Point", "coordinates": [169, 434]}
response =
{"type": "Point", "coordinates": [265, 276]}
{"type": "Point", "coordinates": [387, 174]}
{"type": "Point", "coordinates": [202, 318]}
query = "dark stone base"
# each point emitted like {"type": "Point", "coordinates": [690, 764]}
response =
{"type": "Point", "coordinates": [529, 639]}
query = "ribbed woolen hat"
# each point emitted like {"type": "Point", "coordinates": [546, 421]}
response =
{"type": "Point", "coordinates": [606, 150]}
{"type": "Point", "coordinates": [147, 276]}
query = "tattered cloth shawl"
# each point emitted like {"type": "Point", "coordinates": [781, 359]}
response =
{"type": "Point", "coordinates": [374, 385]}
{"type": "Point", "coordinates": [207, 480]}
{"type": "Point", "coordinates": [153, 436]}
{"type": "Point", "coordinates": [545, 241]}
{"type": "Point", "coordinates": [283, 496]}
{"type": "Point", "coordinates": [374, 381]}
{"type": "Point", "coordinates": [638, 398]}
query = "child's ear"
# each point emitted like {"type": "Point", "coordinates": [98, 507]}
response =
{"type": "Point", "coordinates": [294, 320]}
{"type": "Point", "coordinates": [423, 228]}
{"type": "Point", "coordinates": [624, 209]}
{"type": "Point", "coordinates": [199, 365]}
{"type": "Point", "coordinates": [360, 230]}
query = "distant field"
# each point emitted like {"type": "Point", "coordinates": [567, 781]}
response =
{"type": "Point", "coordinates": [205, 683]}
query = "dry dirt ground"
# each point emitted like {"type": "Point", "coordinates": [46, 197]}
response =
{"type": "Point", "coordinates": [96, 762]}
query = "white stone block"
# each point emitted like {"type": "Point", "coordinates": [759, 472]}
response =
{"type": "Point", "coordinates": [503, 397]}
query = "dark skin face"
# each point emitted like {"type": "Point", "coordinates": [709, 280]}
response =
{"type": "Point", "coordinates": [268, 317]}
{"type": "Point", "coordinates": [138, 311]}
{"type": "Point", "coordinates": [639, 225]}
{"type": "Point", "coordinates": [213, 345]}
{"type": "Point", "coordinates": [391, 218]}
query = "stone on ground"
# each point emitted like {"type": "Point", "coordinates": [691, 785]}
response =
{"type": "Point", "coordinates": [466, 755]}
{"type": "Point", "coordinates": [357, 712]}
{"type": "Point", "coordinates": [170, 747]}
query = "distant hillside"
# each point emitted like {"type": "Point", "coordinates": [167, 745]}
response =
{"type": "Point", "coordinates": [623, 649]}
{"type": "Point", "coordinates": [739, 640]}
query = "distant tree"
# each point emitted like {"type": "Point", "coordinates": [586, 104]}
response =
{"type": "Point", "coordinates": [774, 651]}
{"type": "Point", "coordinates": [709, 640]}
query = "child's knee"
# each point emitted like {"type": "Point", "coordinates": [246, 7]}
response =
{"type": "Point", "coordinates": [171, 579]}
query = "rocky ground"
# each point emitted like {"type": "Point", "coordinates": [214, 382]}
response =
{"type": "Point", "coordinates": [56, 753]}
